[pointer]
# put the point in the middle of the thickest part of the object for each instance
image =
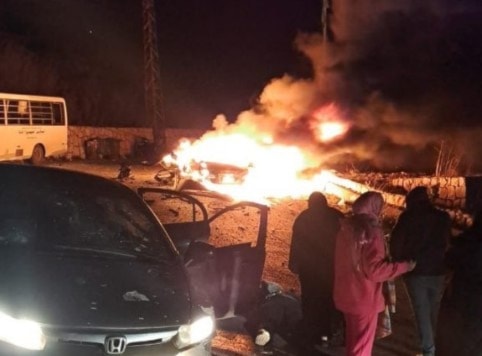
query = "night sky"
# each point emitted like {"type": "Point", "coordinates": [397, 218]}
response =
{"type": "Point", "coordinates": [216, 56]}
{"type": "Point", "coordinates": [405, 74]}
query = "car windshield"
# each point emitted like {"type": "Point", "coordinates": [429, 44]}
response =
{"type": "Point", "coordinates": [77, 213]}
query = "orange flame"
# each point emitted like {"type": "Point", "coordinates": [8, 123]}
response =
{"type": "Point", "coordinates": [327, 124]}
{"type": "Point", "coordinates": [269, 169]}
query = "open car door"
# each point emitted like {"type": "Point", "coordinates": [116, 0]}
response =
{"type": "Point", "coordinates": [240, 265]}
{"type": "Point", "coordinates": [232, 276]}
{"type": "Point", "coordinates": [183, 216]}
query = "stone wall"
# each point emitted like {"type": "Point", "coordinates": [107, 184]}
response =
{"type": "Point", "coordinates": [350, 190]}
{"type": "Point", "coordinates": [126, 136]}
{"type": "Point", "coordinates": [447, 191]}
{"type": "Point", "coordinates": [450, 190]}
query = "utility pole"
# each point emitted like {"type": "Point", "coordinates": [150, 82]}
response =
{"type": "Point", "coordinates": [326, 11]}
{"type": "Point", "coordinates": [152, 77]}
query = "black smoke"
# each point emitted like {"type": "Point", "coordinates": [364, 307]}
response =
{"type": "Point", "coordinates": [410, 73]}
{"type": "Point", "coordinates": [406, 75]}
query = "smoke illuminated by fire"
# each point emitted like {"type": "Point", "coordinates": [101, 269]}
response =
{"type": "Point", "coordinates": [252, 165]}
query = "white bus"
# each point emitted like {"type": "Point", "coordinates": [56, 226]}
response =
{"type": "Point", "coordinates": [32, 127]}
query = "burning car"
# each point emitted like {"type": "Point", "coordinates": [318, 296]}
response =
{"type": "Point", "coordinates": [201, 174]}
{"type": "Point", "coordinates": [88, 269]}
{"type": "Point", "coordinates": [221, 173]}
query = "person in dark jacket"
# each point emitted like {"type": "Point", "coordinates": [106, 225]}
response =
{"type": "Point", "coordinates": [275, 321]}
{"type": "Point", "coordinates": [460, 320]}
{"type": "Point", "coordinates": [311, 257]}
{"type": "Point", "coordinates": [422, 233]}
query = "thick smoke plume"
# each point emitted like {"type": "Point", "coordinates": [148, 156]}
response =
{"type": "Point", "coordinates": [403, 75]}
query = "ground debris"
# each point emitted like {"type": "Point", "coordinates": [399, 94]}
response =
{"type": "Point", "coordinates": [232, 344]}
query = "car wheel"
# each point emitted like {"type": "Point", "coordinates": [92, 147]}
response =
{"type": "Point", "coordinates": [38, 155]}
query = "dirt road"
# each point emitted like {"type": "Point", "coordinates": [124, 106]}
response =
{"type": "Point", "coordinates": [281, 216]}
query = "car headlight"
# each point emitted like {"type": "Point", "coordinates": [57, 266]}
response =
{"type": "Point", "coordinates": [195, 332]}
{"type": "Point", "coordinates": [23, 333]}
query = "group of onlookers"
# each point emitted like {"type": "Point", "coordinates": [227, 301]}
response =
{"type": "Point", "coordinates": [344, 263]}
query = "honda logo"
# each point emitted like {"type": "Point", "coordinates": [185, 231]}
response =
{"type": "Point", "coordinates": [115, 345]}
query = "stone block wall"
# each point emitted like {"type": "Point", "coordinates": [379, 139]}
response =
{"type": "Point", "coordinates": [79, 135]}
{"type": "Point", "coordinates": [449, 188]}
{"type": "Point", "coordinates": [349, 186]}
{"type": "Point", "coordinates": [448, 192]}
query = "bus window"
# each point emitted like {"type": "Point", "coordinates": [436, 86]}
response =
{"type": "Point", "coordinates": [2, 112]}
{"type": "Point", "coordinates": [41, 113]}
{"type": "Point", "coordinates": [18, 112]}
{"type": "Point", "coordinates": [23, 107]}
{"type": "Point", "coordinates": [58, 113]}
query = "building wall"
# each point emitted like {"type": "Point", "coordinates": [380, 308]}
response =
{"type": "Point", "coordinates": [79, 135]}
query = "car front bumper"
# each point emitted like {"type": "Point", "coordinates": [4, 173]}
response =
{"type": "Point", "coordinates": [63, 349]}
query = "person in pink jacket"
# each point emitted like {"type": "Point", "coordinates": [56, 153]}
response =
{"type": "Point", "coordinates": [361, 267]}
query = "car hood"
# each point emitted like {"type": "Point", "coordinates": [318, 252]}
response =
{"type": "Point", "coordinates": [87, 292]}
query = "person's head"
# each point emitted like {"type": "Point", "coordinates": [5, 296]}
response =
{"type": "Point", "coordinates": [369, 203]}
{"type": "Point", "coordinates": [317, 200]}
{"type": "Point", "coordinates": [417, 196]}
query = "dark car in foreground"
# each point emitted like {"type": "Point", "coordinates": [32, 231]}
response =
{"type": "Point", "coordinates": [88, 269]}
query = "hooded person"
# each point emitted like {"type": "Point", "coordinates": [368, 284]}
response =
{"type": "Point", "coordinates": [361, 267]}
{"type": "Point", "coordinates": [422, 233]}
{"type": "Point", "coordinates": [311, 258]}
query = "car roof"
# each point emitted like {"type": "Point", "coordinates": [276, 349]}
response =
{"type": "Point", "coordinates": [41, 174]}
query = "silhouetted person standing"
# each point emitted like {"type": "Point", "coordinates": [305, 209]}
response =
{"type": "Point", "coordinates": [311, 257]}
{"type": "Point", "coordinates": [460, 318]}
{"type": "Point", "coordinates": [422, 233]}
